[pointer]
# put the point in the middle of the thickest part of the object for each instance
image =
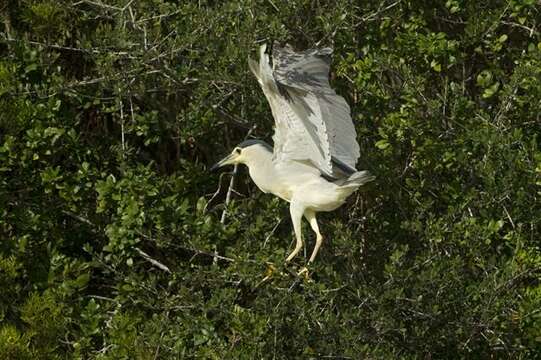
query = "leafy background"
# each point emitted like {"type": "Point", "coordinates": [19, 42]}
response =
{"type": "Point", "coordinates": [112, 244]}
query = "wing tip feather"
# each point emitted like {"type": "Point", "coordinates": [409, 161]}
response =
{"type": "Point", "coordinates": [270, 78]}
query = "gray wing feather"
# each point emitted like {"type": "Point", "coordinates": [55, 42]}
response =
{"type": "Point", "coordinates": [313, 123]}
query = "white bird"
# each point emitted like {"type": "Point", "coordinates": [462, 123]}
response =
{"type": "Point", "coordinates": [312, 164]}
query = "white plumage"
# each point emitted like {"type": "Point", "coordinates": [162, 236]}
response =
{"type": "Point", "coordinates": [312, 164]}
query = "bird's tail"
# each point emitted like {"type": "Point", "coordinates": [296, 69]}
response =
{"type": "Point", "coordinates": [357, 179]}
{"type": "Point", "coordinates": [349, 185]}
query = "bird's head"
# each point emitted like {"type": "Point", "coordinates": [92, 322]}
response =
{"type": "Point", "coordinates": [243, 153]}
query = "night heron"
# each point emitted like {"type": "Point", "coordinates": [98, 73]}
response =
{"type": "Point", "coordinates": [312, 164]}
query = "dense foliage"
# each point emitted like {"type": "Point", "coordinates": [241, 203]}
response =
{"type": "Point", "coordinates": [112, 244]}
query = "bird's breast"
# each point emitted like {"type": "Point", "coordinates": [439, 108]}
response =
{"type": "Point", "coordinates": [271, 182]}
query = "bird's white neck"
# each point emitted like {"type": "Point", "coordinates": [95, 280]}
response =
{"type": "Point", "coordinates": [261, 167]}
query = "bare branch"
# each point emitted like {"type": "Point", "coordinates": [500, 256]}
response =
{"type": "Point", "coordinates": [99, 4]}
{"type": "Point", "coordinates": [195, 251]}
{"type": "Point", "coordinates": [273, 5]}
{"type": "Point", "coordinates": [122, 126]}
{"type": "Point", "coordinates": [381, 10]}
{"type": "Point", "coordinates": [229, 190]}
{"type": "Point", "coordinates": [79, 218]}
{"type": "Point", "coordinates": [153, 261]}
{"type": "Point", "coordinates": [232, 181]}
{"type": "Point", "coordinates": [530, 31]}
{"type": "Point", "coordinates": [272, 232]}
{"type": "Point", "coordinates": [216, 193]}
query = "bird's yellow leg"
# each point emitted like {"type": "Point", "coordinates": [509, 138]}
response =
{"type": "Point", "coordinates": [319, 241]}
{"type": "Point", "coordinates": [311, 217]}
{"type": "Point", "coordinates": [296, 211]}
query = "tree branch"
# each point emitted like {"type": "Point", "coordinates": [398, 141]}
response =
{"type": "Point", "coordinates": [153, 261]}
{"type": "Point", "coordinates": [232, 181]}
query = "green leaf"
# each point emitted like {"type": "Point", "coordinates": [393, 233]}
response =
{"type": "Point", "coordinates": [82, 280]}
{"type": "Point", "coordinates": [382, 144]}
{"type": "Point", "coordinates": [489, 92]}
{"type": "Point", "coordinates": [435, 65]}
{"type": "Point", "coordinates": [30, 67]}
{"type": "Point", "coordinates": [484, 78]}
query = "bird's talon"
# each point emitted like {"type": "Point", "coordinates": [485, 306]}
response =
{"type": "Point", "coordinates": [270, 271]}
{"type": "Point", "coordinates": [304, 272]}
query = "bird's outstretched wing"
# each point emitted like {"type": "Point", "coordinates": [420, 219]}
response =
{"type": "Point", "coordinates": [313, 123]}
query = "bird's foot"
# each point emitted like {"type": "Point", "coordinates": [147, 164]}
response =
{"type": "Point", "coordinates": [304, 273]}
{"type": "Point", "coordinates": [269, 272]}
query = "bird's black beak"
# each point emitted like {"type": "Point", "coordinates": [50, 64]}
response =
{"type": "Point", "coordinates": [215, 166]}
{"type": "Point", "coordinates": [225, 161]}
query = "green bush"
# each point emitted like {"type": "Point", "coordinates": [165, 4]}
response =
{"type": "Point", "coordinates": [112, 244]}
{"type": "Point", "coordinates": [13, 344]}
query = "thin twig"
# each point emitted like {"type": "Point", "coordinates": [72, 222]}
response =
{"type": "Point", "coordinates": [509, 216]}
{"type": "Point", "coordinates": [153, 261]}
{"type": "Point", "coordinates": [530, 31]}
{"type": "Point", "coordinates": [296, 282]}
{"type": "Point", "coordinates": [127, 5]}
{"type": "Point", "coordinates": [274, 5]}
{"type": "Point", "coordinates": [79, 218]}
{"type": "Point", "coordinates": [373, 15]}
{"type": "Point", "coordinates": [99, 4]}
{"type": "Point", "coordinates": [229, 191]}
{"type": "Point", "coordinates": [271, 232]}
{"type": "Point", "coordinates": [206, 253]}
{"type": "Point", "coordinates": [195, 251]}
{"type": "Point", "coordinates": [216, 193]}
{"type": "Point", "coordinates": [232, 181]}
{"type": "Point", "coordinates": [159, 16]}
{"type": "Point", "coordinates": [59, 47]}
{"type": "Point", "coordinates": [122, 126]}
{"type": "Point", "coordinates": [99, 297]}
{"type": "Point", "coordinates": [131, 110]}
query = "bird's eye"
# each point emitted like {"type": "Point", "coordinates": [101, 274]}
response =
{"type": "Point", "coordinates": [238, 151]}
